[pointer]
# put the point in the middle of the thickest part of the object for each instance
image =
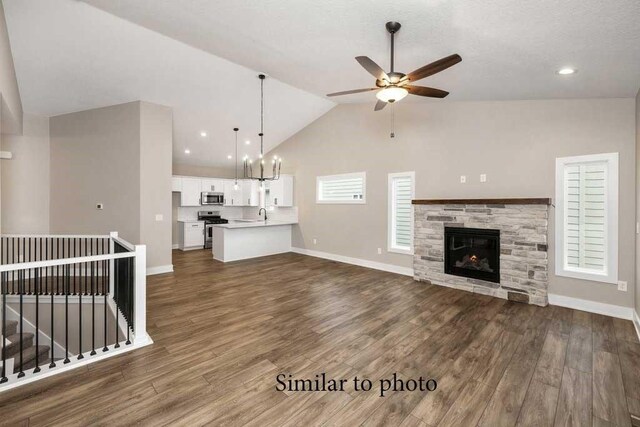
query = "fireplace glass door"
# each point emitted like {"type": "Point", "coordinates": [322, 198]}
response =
{"type": "Point", "coordinates": [472, 252]}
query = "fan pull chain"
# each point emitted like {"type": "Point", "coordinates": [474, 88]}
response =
{"type": "Point", "coordinates": [393, 120]}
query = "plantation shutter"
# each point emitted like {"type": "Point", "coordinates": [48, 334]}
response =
{"type": "Point", "coordinates": [585, 216]}
{"type": "Point", "coordinates": [341, 188]}
{"type": "Point", "coordinates": [402, 193]}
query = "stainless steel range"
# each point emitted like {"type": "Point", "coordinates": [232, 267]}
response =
{"type": "Point", "coordinates": [210, 218]}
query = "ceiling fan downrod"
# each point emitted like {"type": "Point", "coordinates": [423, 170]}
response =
{"type": "Point", "coordinates": [393, 28]}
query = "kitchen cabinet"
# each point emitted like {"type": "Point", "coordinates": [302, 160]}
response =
{"type": "Point", "coordinates": [176, 183]}
{"type": "Point", "coordinates": [250, 192]}
{"type": "Point", "coordinates": [247, 194]}
{"type": "Point", "coordinates": [232, 197]}
{"type": "Point", "coordinates": [191, 235]}
{"type": "Point", "coordinates": [190, 188]}
{"type": "Point", "coordinates": [212, 185]}
{"type": "Point", "coordinates": [279, 193]}
{"type": "Point", "coordinates": [190, 194]}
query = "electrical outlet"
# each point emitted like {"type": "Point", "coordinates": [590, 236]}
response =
{"type": "Point", "coordinates": [622, 286]}
{"type": "Point", "coordinates": [159, 217]}
{"type": "Point", "coordinates": [315, 241]}
{"type": "Point", "coordinates": [379, 251]}
{"type": "Point", "coordinates": [463, 179]}
{"type": "Point", "coordinates": [483, 177]}
{"type": "Point", "coordinates": [99, 206]}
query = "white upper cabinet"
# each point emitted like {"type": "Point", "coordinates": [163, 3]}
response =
{"type": "Point", "coordinates": [250, 192]}
{"type": "Point", "coordinates": [280, 192]}
{"type": "Point", "coordinates": [232, 197]}
{"type": "Point", "coordinates": [190, 195]}
{"type": "Point", "coordinates": [212, 185]}
{"type": "Point", "coordinates": [247, 194]}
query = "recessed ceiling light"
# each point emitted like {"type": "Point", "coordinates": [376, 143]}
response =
{"type": "Point", "coordinates": [229, 157]}
{"type": "Point", "coordinates": [203, 134]}
{"type": "Point", "coordinates": [187, 151]}
{"type": "Point", "coordinates": [566, 71]}
{"type": "Point", "coordinates": [247, 142]}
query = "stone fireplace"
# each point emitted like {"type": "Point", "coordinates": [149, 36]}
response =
{"type": "Point", "coordinates": [494, 247]}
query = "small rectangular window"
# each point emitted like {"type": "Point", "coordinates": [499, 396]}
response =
{"type": "Point", "coordinates": [587, 217]}
{"type": "Point", "coordinates": [401, 193]}
{"type": "Point", "coordinates": [345, 188]}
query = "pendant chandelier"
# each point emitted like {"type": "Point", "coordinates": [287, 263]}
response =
{"type": "Point", "coordinates": [276, 163]}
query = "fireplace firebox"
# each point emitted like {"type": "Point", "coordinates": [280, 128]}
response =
{"type": "Point", "coordinates": [472, 252]}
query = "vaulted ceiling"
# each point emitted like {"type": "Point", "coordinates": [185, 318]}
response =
{"type": "Point", "coordinates": [70, 56]}
{"type": "Point", "coordinates": [74, 55]}
{"type": "Point", "coordinates": [511, 49]}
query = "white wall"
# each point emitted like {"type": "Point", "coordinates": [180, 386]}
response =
{"type": "Point", "coordinates": [514, 142]}
{"type": "Point", "coordinates": [25, 178]}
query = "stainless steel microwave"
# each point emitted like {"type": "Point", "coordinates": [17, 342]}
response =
{"type": "Point", "coordinates": [209, 198]}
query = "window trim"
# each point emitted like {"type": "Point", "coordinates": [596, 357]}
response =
{"type": "Point", "coordinates": [362, 201]}
{"type": "Point", "coordinates": [390, 206]}
{"type": "Point", "coordinates": [611, 219]}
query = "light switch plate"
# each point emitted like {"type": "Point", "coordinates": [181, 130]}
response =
{"type": "Point", "coordinates": [463, 179]}
{"type": "Point", "coordinates": [622, 286]}
{"type": "Point", "coordinates": [315, 241]}
{"type": "Point", "coordinates": [483, 177]}
{"type": "Point", "coordinates": [379, 251]}
{"type": "Point", "coordinates": [159, 217]}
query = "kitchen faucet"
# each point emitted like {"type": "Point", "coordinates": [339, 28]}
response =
{"type": "Point", "coordinates": [265, 213]}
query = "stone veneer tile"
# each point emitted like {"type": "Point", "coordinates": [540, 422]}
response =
{"type": "Point", "coordinates": [523, 248]}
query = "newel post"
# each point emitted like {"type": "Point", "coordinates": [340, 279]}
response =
{"type": "Point", "coordinates": [140, 336]}
{"type": "Point", "coordinates": [111, 263]}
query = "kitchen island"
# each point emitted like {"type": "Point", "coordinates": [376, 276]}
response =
{"type": "Point", "coordinates": [243, 239]}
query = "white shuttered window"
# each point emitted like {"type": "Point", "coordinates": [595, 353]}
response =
{"type": "Point", "coordinates": [344, 188]}
{"type": "Point", "coordinates": [401, 192]}
{"type": "Point", "coordinates": [587, 217]}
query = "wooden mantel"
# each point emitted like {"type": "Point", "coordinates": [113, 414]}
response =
{"type": "Point", "coordinates": [515, 201]}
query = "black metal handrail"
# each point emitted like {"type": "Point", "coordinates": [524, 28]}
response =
{"type": "Point", "coordinates": [79, 282]}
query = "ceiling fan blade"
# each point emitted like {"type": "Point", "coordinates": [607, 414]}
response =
{"type": "Point", "coordinates": [349, 92]}
{"type": "Point", "coordinates": [434, 67]}
{"type": "Point", "coordinates": [374, 69]}
{"type": "Point", "coordinates": [379, 105]}
{"type": "Point", "coordinates": [426, 91]}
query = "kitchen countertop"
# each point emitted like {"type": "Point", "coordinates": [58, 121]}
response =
{"type": "Point", "coordinates": [190, 220]}
{"type": "Point", "coordinates": [253, 224]}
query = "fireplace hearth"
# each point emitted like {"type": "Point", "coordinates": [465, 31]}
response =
{"type": "Point", "coordinates": [472, 253]}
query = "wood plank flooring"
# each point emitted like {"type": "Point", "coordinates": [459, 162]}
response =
{"type": "Point", "coordinates": [223, 332]}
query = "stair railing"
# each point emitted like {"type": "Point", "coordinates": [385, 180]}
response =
{"type": "Point", "coordinates": [85, 296]}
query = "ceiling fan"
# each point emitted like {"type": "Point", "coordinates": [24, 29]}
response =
{"type": "Point", "coordinates": [394, 86]}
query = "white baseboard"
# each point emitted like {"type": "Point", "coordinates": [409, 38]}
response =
{"type": "Point", "coordinates": [405, 271]}
{"type": "Point", "coordinates": [636, 322]}
{"type": "Point", "coordinates": [175, 246]}
{"type": "Point", "coordinates": [161, 269]}
{"type": "Point", "coordinates": [592, 306]}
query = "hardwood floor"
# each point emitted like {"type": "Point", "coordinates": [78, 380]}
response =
{"type": "Point", "coordinates": [223, 332]}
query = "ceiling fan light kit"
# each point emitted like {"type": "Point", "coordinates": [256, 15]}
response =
{"type": "Point", "coordinates": [394, 86]}
{"type": "Point", "coordinates": [392, 94]}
